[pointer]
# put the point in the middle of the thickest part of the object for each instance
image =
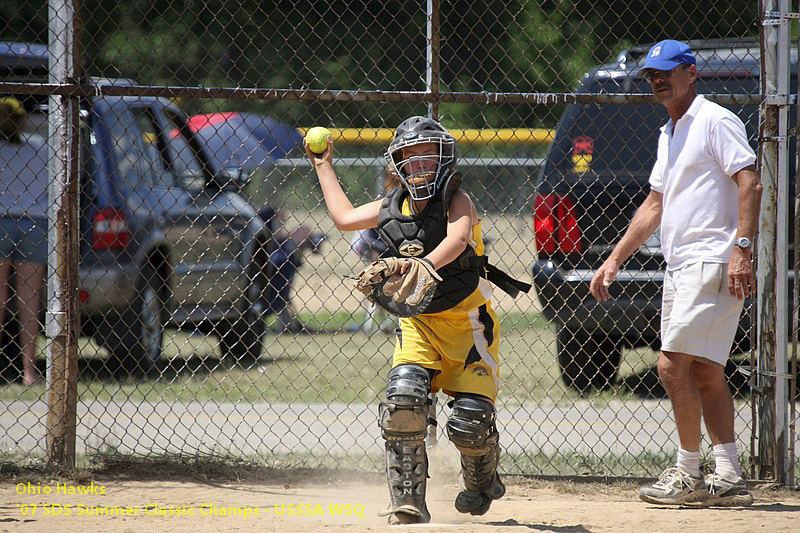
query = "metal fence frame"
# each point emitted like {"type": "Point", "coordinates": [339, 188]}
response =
{"type": "Point", "coordinates": [773, 438]}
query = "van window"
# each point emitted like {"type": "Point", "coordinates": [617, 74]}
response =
{"type": "Point", "coordinates": [183, 157]}
{"type": "Point", "coordinates": [153, 145]}
{"type": "Point", "coordinates": [137, 160]}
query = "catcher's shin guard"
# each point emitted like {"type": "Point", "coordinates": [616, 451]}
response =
{"type": "Point", "coordinates": [403, 420]}
{"type": "Point", "coordinates": [471, 428]}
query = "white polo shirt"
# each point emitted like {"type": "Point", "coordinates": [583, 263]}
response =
{"type": "Point", "coordinates": [696, 159]}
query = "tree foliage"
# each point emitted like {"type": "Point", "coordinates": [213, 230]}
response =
{"type": "Point", "coordinates": [487, 45]}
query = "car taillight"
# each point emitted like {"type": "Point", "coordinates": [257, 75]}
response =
{"type": "Point", "coordinates": [569, 234]}
{"type": "Point", "coordinates": [83, 296]}
{"type": "Point", "coordinates": [555, 224]}
{"type": "Point", "coordinates": [110, 230]}
{"type": "Point", "coordinates": [544, 222]}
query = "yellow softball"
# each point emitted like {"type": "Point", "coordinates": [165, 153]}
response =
{"type": "Point", "coordinates": [317, 139]}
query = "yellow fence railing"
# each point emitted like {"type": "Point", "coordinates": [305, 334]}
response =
{"type": "Point", "coordinates": [468, 136]}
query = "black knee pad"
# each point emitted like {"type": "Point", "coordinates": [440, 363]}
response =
{"type": "Point", "coordinates": [404, 414]}
{"type": "Point", "coordinates": [408, 385]}
{"type": "Point", "coordinates": [471, 425]}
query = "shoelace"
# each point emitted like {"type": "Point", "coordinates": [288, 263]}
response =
{"type": "Point", "coordinates": [671, 474]}
{"type": "Point", "coordinates": [713, 484]}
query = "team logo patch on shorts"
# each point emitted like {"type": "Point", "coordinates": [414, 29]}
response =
{"type": "Point", "coordinates": [480, 372]}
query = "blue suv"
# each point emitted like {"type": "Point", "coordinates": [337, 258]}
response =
{"type": "Point", "coordinates": [165, 240]}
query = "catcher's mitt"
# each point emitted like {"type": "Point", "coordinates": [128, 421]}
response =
{"type": "Point", "coordinates": [401, 293]}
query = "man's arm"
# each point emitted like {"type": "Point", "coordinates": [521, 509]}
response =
{"type": "Point", "coordinates": [740, 269]}
{"type": "Point", "coordinates": [644, 223]}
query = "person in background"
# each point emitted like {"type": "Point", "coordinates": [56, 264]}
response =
{"type": "Point", "coordinates": [369, 247]}
{"type": "Point", "coordinates": [23, 229]}
{"type": "Point", "coordinates": [286, 257]}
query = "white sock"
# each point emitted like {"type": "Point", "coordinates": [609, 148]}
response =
{"type": "Point", "coordinates": [727, 461]}
{"type": "Point", "coordinates": [689, 462]}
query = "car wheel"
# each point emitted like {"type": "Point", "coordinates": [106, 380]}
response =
{"type": "Point", "coordinates": [587, 362]}
{"type": "Point", "coordinates": [242, 339]}
{"type": "Point", "coordinates": [135, 338]}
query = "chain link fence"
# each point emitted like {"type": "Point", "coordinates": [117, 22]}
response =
{"type": "Point", "coordinates": [214, 314]}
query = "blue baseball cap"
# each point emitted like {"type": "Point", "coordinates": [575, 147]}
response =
{"type": "Point", "coordinates": [667, 55]}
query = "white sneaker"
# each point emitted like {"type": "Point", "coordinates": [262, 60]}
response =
{"type": "Point", "coordinates": [725, 493]}
{"type": "Point", "coordinates": [675, 487]}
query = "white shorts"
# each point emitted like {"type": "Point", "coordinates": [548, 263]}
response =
{"type": "Point", "coordinates": [698, 315]}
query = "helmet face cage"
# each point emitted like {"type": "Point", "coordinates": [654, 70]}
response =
{"type": "Point", "coordinates": [421, 183]}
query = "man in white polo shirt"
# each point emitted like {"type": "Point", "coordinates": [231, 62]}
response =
{"type": "Point", "coordinates": [705, 194]}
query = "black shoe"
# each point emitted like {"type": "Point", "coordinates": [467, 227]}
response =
{"type": "Point", "coordinates": [474, 503]}
{"type": "Point", "coordinates": [478, 503]}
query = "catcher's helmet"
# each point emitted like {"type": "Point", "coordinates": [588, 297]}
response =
{"type": "Point", "coordinates": [422, 183]}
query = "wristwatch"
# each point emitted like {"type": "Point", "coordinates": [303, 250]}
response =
{"type": "Point", "coordinates": [742, 242]}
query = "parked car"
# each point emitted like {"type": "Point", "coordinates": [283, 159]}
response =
{"type": "Point", "coordinates": [165, 241]}
{"type": "Point", "coordinates": [594, 178]}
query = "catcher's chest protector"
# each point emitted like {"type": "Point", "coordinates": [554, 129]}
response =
{"type": "Point", "coordinates": [416, 235]}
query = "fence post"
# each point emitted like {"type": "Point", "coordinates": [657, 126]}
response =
{"type": "Point", "coordinates": [433, 52]}
{"type": "Point", "coordinates": [61, 323]}
{"type": "Point", "coordinates": [772, 253]}
{"type": "Point", "coordinates": [792, 415]}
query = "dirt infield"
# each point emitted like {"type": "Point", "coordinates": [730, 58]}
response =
{"type": "Point", "coordinates": [318, 504]}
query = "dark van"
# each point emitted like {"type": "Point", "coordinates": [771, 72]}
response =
{"type": "Point", "coordinates": [594, 178]}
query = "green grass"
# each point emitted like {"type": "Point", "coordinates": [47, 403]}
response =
{"type": "Point", "coordinates": [576, 463]}
{"type": "Point", "coordinates": [351, 367]}
{"type": "Point", "coordinates": [330, 366]}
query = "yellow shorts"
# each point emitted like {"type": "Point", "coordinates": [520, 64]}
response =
{"type": "Point", "coordinates": [462, 347]}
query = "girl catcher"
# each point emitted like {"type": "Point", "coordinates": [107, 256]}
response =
{"type": "Point", "coordinates": [438, 281]}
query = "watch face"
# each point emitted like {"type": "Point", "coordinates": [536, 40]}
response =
{"type": "Point", "coordinates": [743, 242]}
